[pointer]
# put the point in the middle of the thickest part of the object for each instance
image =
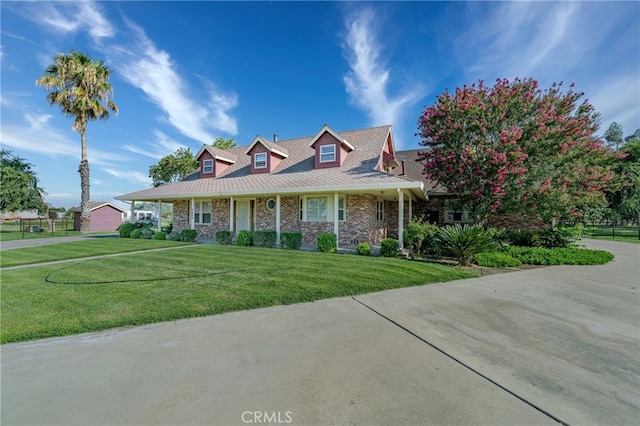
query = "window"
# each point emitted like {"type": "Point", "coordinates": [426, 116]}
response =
{"type": "Point", "coordinates": [321, 209]}
{"type": "Point", "coordinates": [260, 160]}
{"type": "Point", "coordinates": [455, 213]}
{"type": "Point", "coordinates": [380, 210]}
{"type": "Point", "coordinates": [202, 212]}
{"type": "Point", "coordinates": [327, 153]}
{"type": "Point", "coordinates": [317, 209]}
{"type": "Point", "coordinates": [207, 166]}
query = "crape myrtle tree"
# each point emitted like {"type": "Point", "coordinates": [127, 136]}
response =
{"type": "Point", "coordinates": [80, 86]}
{"type": "Point", "coordinates": [515, 147]}
{"type": "Point", "coordinates": [173, 167]}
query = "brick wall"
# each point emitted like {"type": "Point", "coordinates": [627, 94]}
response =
{"type": "Point", "coordinates": [181, 215]}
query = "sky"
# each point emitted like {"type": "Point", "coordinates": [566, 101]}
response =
{"type": "Point", "coordinates": [186, 73]}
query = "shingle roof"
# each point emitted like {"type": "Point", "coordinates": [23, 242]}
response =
{"type": "Point", "coordinates": [413, 170]}
{"type": "Point", "coordinates": [294, 174]}
{"type": "Point", "coordinates": [95, 205]}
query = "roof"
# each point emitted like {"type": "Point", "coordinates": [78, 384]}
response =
{"type": "Point", "coordinates": [273, 147]}
{"type": "Point", "coordinates": [218, 154]}
{"type": "Point", "coordinates": [295, 174]}
{"type": "Point", "coordinates": [412, 169]}
{"type": "Point", "coordinates": [94, 205]}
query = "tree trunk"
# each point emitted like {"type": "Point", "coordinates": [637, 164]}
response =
{"type": "Point", "coordinates": [85, 215]}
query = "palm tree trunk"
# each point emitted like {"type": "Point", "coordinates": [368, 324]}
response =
{"type": "Point", "coordinates": [85, 196]}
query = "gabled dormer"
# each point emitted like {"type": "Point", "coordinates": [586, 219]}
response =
{"type": "Point", "coordinates": [265, 155]}
{"type": "Point", "coordinates": [387, 159]}
{"type": "Point", "coordinates": [214, 161]}
{"type": "Point", "coordinates": [331, 148]}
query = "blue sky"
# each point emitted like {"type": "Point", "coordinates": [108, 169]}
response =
{"type": "Point", "coordinates": [185, 73]}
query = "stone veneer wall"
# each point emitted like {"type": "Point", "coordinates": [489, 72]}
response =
{"type": "Point", "coordinates": [391, 216]}
{"type": "Point", "coordinates": [516, 221]}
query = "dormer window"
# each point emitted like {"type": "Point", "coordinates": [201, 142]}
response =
{"type": "Point", "coordinates": [327, 153]}
{"type": "Point", "coordinates": [207, 166]}
{"type": "Point", "coordinates": [260, 160]}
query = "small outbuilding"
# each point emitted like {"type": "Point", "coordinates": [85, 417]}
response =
{"type": "Point", "coordinates": [104, 216]}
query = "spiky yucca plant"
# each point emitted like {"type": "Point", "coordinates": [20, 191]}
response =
{"type": "Point", "coordinates": [463, 241]}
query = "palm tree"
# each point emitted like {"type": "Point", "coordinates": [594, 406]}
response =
{"type": "Point", "coordinates": [80, 86]}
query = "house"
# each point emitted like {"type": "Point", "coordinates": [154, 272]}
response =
{"type": "Point", "coordinates": [351, 183]}
{"type": "Point", "coordinates": [338, 182]}
{"type": "Point", "coordinates": [104, 216]}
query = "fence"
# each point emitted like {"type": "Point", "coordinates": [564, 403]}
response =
{"type": "Point", "coordinates": [45, 225]}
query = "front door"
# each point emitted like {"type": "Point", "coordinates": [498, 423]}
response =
{"type": "Point", "coordinates": [244, 215]}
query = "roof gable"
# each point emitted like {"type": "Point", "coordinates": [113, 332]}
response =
{"type": "Point", "coordinates": [327, 129]}
{"type": "Point", "coordinates": [270, 146]}
{"type": "Point", "coordinates": [217, 154]}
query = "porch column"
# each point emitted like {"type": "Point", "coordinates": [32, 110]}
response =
{"type": "Point", "coordinates": [278, 220]}
{"type": "Point", "coordinates": [159, 215]}
{"type": "Point", "coordinates": [133, 211]}
{"type": "Point", "coordinates": [231, 214]}
{"type": "Point", "coordinates": [336, 222]}
{"type": "Point", "coordinates": [400, 219]}
{"type": "Point", "coordinates": [192, 214]}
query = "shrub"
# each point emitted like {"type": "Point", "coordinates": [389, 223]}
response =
{"type": "Point", "coordinates": [389, 247]}
{"type": "Point", "coordinates": [244, 238]}
{"type": "Point", "coordinates": [464, 241]}
{"type": "Point", "coordinates": [147, 233]}
{"type": "Point", "coordinates": [291, 240]}
{"type": "Point", "coordinates": [159, 236]}
{"type": "Point", "coordinates": [136, 233]}
{"type": "Point", "coordinates": [559, 256]}
{"type": "Point", "coordinates": [168, 228]}
{"type": "Point", "coordinates": [126, 228]}
{"type": "Point", "coordinates": [327, 243]}
{"type": "Point", "coordinates": [363, 249]}
{"type": "Point", "coordinates": [224, 237]}
{"type": "Point", "coordinates": [264, 238]}
{"type": "Point", "coordinates": [174, 236]}
{"type": "Point", "coordinates": [516, 237]}
{"type": "Point", "coordinates": [188, 235]}
{"type": "Point", "coordinates": [496, 260]}
{"type": "Point", "coordinates": [562, 237]}
{"type": "Point", "coordinates": [418, 236]}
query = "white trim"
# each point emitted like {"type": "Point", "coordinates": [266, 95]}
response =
{"type": "Point", "coordinates": [333, 133]}
{"type": "Point", "coordinates": [336, 222]}
{"type": "Point", "coordinates": [159, 215]}
{"type": "Point", "coordinates": [267, 144]}
{"type": "Point", "coordinates": [335, 154]}
{"type": "Point", "coordinates": [214, 154]}
{"type": "Point", "coordinates": [204, 166]}
{"type": "Point", "coordinates": [285, 191]}
{"type": "Point", "coordinates": [192, 214]}
{"type": "Point", "coordinates": [232, 214]}
{"type": "Point", "coordinates": [255, 160]}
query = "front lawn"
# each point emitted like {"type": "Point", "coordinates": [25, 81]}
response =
{"type": "Point", "coordinates": [10, 231]}
{"type": "Point", "coordinates": [79, 249]}
{"type": "Point", "coordinates": [141, 288]}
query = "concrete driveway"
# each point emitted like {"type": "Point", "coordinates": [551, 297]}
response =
{"type": "Point", "coordinates": [541, 346]}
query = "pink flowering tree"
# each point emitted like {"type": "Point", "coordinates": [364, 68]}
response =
{"type": "Point", "coordinates": [515, 147]}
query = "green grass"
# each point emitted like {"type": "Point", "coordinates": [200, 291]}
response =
{"type": "Point", "coordinates": [622, 233]}
{"type": "Point", "coordinates": [559, 256]}
{"type": "Point", "coordinates": [141, 288]}
{"type": "Point", "coordinates": [78, 249]}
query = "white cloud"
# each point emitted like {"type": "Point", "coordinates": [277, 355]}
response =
{"type": "Point", "coordinates": [161, 147]}
{"type": "Point", "coordinates": [129, 175]}
{"type": "Point", "coordinates": [145, 66]}
{"type": "Point", "coordinates": [38, 136]}
{"type": "Point", "coordinates": [71, 17]}
{"type": "Point", "coordinates": [367, 82]}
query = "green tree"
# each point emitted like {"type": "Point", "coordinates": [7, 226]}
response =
{"type": "Point", "coordinates": [223, 143]}
{"type": "Point", "coordinates": [625, 202]}
{"type": "Point", "coordinates": [515, 147]}
{"type": "Point", "coordinates": [613, 135]}
{"type": "Point", "coordinates": [19, 188]}
{"type": "Point", "coordinates": [80, 86]}
{"type": "Point", "coordinates": [173, 167]}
